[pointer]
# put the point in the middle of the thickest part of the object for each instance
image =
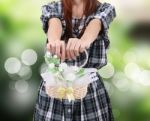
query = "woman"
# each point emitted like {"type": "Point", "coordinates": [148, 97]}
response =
{"type": "Point", "coordinates": [72, 26]}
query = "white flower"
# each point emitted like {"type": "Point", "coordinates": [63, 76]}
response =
{"type": "Point", "coordinates": [60, 69]}
{"type": "Point", "coordinates": [55, 56]}
{"type": "Point", "coordinates": [51, 65]}
{"type": "Point", "coordinates": [70, 76]}
{"type": "Point", "coordinates": [75, 68]}
{"type": "Point", "coordinates": [63, 65]}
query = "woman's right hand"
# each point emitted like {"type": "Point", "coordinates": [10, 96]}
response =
{"type": "Point", "coordinates": [57, 47]}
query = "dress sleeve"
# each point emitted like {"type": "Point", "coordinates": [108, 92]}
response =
{"type": "Point", "coordinates": [49, 10]}
{"type": "Point", "coordinates": [106, 13]}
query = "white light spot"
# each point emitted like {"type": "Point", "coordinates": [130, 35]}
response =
{"type": "Point", "coordinates": [29, 57]}
{"type": "Point", "coordinates": [107, 71]}
{"type": "Point", "coordinates": [121, 82]}
{"type": "Point", "coordinates": [12, 65]}
{"type": "Point", "coordinates": [25, 72]}
{"type": "Point", "coordinates": [21, 86]}
{"type": "Point", "coordinates": [132, 71]}
{"type": "Point", "coordinates": [144, 78]}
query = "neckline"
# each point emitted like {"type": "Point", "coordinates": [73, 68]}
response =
{"type": "Point", "coordinates": [75, 18]}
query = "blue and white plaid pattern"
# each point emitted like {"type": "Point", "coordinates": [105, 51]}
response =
{"type": "Point", "coordinates": [97, 51]}
{"type": "Point", "coordinates": [95, 106]}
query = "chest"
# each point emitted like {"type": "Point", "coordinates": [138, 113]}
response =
{"type": "Point", "coordinates": [77, 24]}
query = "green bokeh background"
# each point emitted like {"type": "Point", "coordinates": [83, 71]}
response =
{"type": "Point", "coordinates": [126, 76]}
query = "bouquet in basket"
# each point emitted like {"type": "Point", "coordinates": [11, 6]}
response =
{"type": "Point", "coordinates": [63, 81]}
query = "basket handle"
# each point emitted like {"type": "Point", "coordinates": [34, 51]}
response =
{"type": "Point", "coordinates": [86, 59]}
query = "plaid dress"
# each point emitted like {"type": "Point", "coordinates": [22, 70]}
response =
{"type": "Point", "coordinates": [96, 105]}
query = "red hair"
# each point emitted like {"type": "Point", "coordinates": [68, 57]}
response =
{"type": "Point", "coordinates": [90, 7]}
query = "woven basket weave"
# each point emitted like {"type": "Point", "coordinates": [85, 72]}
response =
{"type": "Point", "coordinates": [79, 92]}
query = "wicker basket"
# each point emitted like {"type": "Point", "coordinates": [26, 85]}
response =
{"type": "Point", "coordinates": [77, 91]}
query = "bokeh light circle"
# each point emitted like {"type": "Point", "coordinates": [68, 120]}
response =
{"type": "Point", "coordinates": [21, 86]}
{"type": "Point", "coordinates": [107, 71]}
{"type": "Point", "coordinates": [12, 65]}
{"type": "Point", "coordinates": [144, 78]}
{"type": "Point", "coordinates": [132, 71]}
{"type": "Point", "coordinates": [25, 72]}
{"type": "Point", "coordinates": [121, 81]}
{"type": "Point", "coordinates": [29, 57]}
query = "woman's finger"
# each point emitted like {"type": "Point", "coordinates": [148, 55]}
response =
{"type": "Point", "coordinates": [71, 49]}
{"type": "Point", "coordinates": [57, 48]}
{"type": "Point", "coordinates": [82, 47]}
{"type": "Point", "coordinates": [52, 46]}
{"type": "Point", "coordinates": [62, 48]}
{"type": "Point", "coordinates": [48, 47]}
{"type": "Point", "coordinates": [76, 49]}
{"type": "Point", "coordinates": [67, 49]}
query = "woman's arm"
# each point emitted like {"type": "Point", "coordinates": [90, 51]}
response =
{"type": "Point", "coordinates": [54, 35]}
{"type": "Point", "coordinates": [75, 45]}
{"type": "Point", "coordinates": [52, 26]}
{"type": "Point", "coordinates": [100, 22]}
{"type": "Point", "coordinates": [92, 30]}
{"type": "Point", "coordinates": [54, 29]}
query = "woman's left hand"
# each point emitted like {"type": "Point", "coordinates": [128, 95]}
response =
{"type": "Point", "coordinates": [75, 46]}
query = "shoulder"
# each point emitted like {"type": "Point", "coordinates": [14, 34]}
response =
{"type": "Point", "coordinates": [53, 6]}
{"type": "Point", "coordinates": [101, 6]}
{"type": "Point", "coordinates": [53, 3]}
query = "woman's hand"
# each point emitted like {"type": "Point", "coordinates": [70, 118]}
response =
{"type": "Point", "coordinates": [75, 46]}
{"type": "Point", "coordinates": [57, 47]}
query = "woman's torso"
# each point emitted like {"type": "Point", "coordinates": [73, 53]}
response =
{"type": "Point", "coordinates": [97, 51]}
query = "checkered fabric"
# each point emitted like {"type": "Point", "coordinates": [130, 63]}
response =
{"type": "Point", "coordinates": [95, 106]}
{"type": "Point", "coordinates": [97, 50]}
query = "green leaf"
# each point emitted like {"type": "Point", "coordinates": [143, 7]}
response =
{"type": "Point", "coordinates": [52, 60]}
{"type": "Point", "coordinates": [80, 75]}
{"type": "Point", "coordinates": [81, 71]}
{"type": "Point", "coordinates": [54, 70]}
